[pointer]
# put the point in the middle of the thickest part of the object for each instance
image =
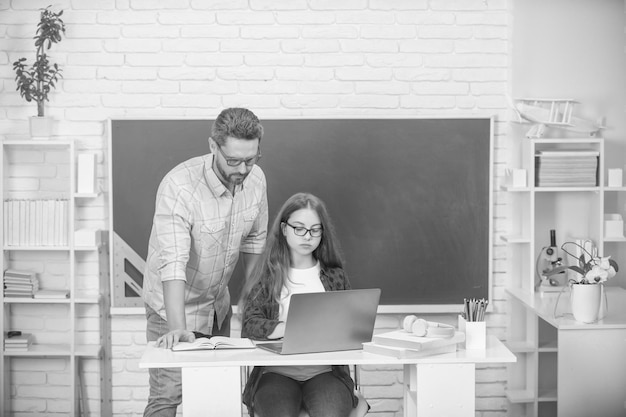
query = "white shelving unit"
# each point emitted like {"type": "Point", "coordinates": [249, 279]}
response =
{"type": "Point", "coordinates": [70, 354]}
{"type": "Point", "coordinates": [536, 385]}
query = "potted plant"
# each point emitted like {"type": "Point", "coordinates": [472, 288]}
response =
{"type": "Point", "coordinates": [592, 271]}
{"type": "Point", "coordinates": [35, 82]}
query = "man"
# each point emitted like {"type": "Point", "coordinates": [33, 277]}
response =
{"type": "Point", "coordinates": [208, 209]}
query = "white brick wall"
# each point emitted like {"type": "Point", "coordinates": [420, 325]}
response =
{"type": "Point", "coordinates": [157, 59]}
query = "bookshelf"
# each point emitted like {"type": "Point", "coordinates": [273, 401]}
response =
{"type": "Point", "coordinates": [70, 351]}
{"type": "Point", "coordinates": [548, 378]}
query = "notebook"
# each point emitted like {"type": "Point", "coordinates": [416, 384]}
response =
{"type": "Point", "coordinates": [328, 321]}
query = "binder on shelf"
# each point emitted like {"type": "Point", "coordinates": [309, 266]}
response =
{"type": "Point", "coordinates": [615, 177]}
{"type": "Point", "coordinates": [613, 225]}
{"type": "Point", "coordinates": [56, 224]}
{"type": "Point", "coordinates": [87, 237]}
{"type": "Point", "coordinates": [26, 221]}
{"type": "Point", "coordinates": [6, 222]}
{"type": "Point", "coordinates": [38, 222]}
{"type": "Point", "coordinates": [86, 173]}
{"type": "Point", "coordinates": [51, 294]}
{"type": "Point", "coordinates": [15, 204]}
{"type": "Point", "coordinates": [48, 223]}
{"type": "Point", "coordinates": [32, 222]}
{"type": "Point", "coordinates": [21, 240]}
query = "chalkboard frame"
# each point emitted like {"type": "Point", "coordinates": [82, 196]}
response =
{"type": "Point", "coordinates": [118, 303]}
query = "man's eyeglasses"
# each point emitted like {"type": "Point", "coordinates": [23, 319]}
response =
{"type": "Point", "coordinates": [302, 231]}
{"type": "Point", "coordinates": [235, 162]}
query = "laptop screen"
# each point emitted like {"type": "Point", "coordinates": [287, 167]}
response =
{"type": "Point", "coordinates": [330, 321]}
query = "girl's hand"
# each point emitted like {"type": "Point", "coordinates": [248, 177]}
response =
{"type": "Point", "coordinates": [279, 331]}
{"type": "Point", "coordinates": [172, 338]}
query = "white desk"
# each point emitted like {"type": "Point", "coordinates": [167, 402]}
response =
{"type": "Point", "coordinates": [440, 385]}
{"type": "Point", "coordinates": [590, 358]}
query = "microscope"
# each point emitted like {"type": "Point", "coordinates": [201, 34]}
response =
{"type": "Point", "coordinates": [548, 260]}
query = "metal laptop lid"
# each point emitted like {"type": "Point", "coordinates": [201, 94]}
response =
{"type": "Point", "coordinates": [330, 321]}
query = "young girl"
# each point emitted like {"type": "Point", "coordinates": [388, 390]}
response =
{"type": "Point", "coordinates": [301, 255]}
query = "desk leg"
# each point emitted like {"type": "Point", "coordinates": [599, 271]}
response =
{"type": "Point", "coordinates": [211, 391]}
{"type": "Point", "coordinates": [434, 390]}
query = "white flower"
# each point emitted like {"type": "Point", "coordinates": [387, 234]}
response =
{"type": "Point", "coordinates": [591, 269]}
{"type": "Point", "coordinates": [597, 274]}
{"type": "Point", "coordinates": [606, 265]}
{"type": "Point", "coordinates": [601, 270]}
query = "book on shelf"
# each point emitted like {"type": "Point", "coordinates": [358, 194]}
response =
{"type": "Point", "coordinates": [20, 339]}
{"type": "Point", "coordinates": [23, 220]}
{"type": "Point", "coordinates": [38, 222]}
{"type": "Point", "coordinates": [43, 294]}
{"type": "Point", "coordinates": [215, 342]}
{"type": "Point", "coordinates": [403, 339]}
{"type": "Point", "coordinates": [12, 294]}
{"type": "Point", "coordinates": [19, 343]}
{"type": "Point", "coordinates": [24, 285]}
{"type": "Point", "coordinates": [19, 283]}
{"type": "Point", "coordinates": [5, 223]}
{"type": "Point", "coordinates": [404, 353]}
{"type": "Point", "coordinates": [15, 219]}
{"type": "Point", "coordinates": [19, 289]}
{"type": "Point", "coordinates": [16, 273]}
{"type": "Point", "coordinates": [566, 184]}
{"type": "Point", "coordinates": [567, 152]}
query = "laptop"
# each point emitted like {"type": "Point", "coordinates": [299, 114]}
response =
{"type": "Point", "coordinates": [328, 321]}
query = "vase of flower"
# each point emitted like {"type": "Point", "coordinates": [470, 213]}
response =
{"type": "Point", "coordinates": [604, 308]}
{"type": "Point", "coordinates": [592, 271]}
{"type": "Point", "coordinates": [586, 302]}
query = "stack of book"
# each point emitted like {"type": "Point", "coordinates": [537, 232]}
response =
{"type": "Point", "coordinates": [402, 344]}
{"type": "Point", "coordinates": [20, 283]}
{"type": "Point", "coordinates": [19, 343]}
{"type": "Point", "coordinates": [36, 222]}
{"type": "Point", "coordinates": [51, 294]}
{"type": "Point", "coordinates": [571, 168]}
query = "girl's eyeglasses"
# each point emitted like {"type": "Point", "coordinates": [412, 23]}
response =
{"type": "Point", "coordinates": [302, 231]}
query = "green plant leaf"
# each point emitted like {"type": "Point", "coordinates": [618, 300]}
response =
{"type": "Point", "coordinates": [560, 269]}
{"type": "Point", "coordinates": [36, 82]}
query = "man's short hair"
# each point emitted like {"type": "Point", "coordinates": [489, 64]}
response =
{"type": "Point", "coordinates": [236, 122]}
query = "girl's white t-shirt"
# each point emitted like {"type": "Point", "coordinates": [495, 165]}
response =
{"type": "Point", "coordinates": [300, 281]}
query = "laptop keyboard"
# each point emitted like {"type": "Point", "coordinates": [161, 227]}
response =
{"type": "Point", "coordinates": [273, 346]}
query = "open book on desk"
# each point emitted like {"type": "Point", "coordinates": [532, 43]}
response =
{"type": "Point", "coordinates": [215, 342]}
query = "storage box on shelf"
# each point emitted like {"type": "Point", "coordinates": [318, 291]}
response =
{"type": "Point", "coordinates": [67, 315]}
{"type": "Point", "coordinates": [567, 192]}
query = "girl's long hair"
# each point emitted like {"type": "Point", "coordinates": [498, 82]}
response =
{"type": "Point", "coordinates": [272, 268]}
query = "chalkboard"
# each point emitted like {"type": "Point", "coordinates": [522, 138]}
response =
{"type": "Point", "coordinates": [410, 198]}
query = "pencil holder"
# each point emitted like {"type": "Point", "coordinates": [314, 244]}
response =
{"type": "Point", "coordinates": [475, 333]}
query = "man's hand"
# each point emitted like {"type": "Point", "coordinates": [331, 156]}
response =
{"type": "Point", "coordinates": [172, 338]}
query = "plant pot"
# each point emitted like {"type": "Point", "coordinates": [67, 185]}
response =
{"type": "Point", "coordinates": [585, 300]}
{"type": "Point", "coordinates": [41, 127]}
{"type": "Point", "coordinates": [604, 307]}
